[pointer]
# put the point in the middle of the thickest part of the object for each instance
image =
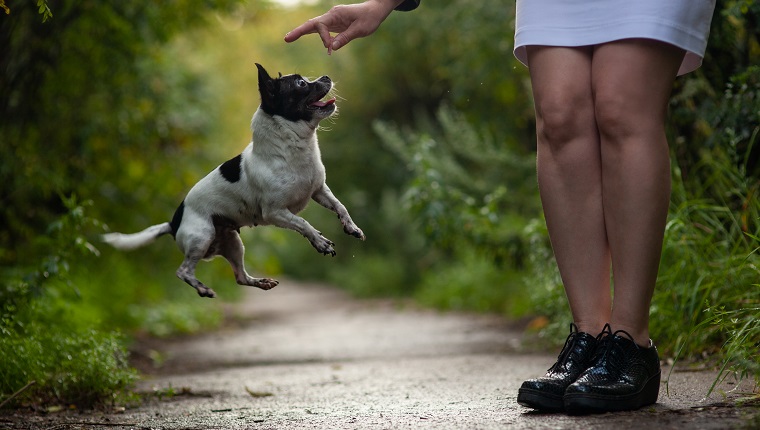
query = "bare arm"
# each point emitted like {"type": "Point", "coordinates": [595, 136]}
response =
{"type": "Point", "coordinates": [349, 22]}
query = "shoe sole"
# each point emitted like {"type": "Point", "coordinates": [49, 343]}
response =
{"type": "Point", "coordinates": [540, 400]}
{"type": "Point", "coordinates": [583, 403]}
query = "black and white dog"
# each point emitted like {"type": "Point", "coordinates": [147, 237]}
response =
{"type": "Point", "coordinates": [269, 183]}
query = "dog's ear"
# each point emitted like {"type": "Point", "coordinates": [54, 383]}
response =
{"type": "Point", "coordinates": [267, 86]}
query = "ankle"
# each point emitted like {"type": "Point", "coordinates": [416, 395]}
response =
{"type": "Point", "coordinates": [591, 327]}
{"type": "Point", "coordinates": [639, 336]}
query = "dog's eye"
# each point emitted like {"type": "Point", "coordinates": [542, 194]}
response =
{"type": "Point", "coordinates": [300, 83]}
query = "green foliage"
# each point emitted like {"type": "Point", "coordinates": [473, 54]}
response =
{"type": "Point", "coordinates": [393, 260]}
{"type": "Point", "coordinates": [44, 10]}
{"type": "Point", "coordinates": [472, 198]}
{"type": "Point", "coordinates": [466, 189]}
{"type": "Point", "coordinates": [697, 107]}
{"type": "Point", "coordinates": [472, 283]}
{"type": "Point", "coordinates": [376, 276]}
{"type": "Point", "coordinates": [457, 53]}
{"type": "Point", "coordinates": [87, 98]}
{"type": "Point", "coordinates": [43, 340]}
{"type": "Point", "coordinates": [63, 243]}
{"type": "Point", "coordinates": [741, 329]}
{"type": "Point", "coordinates": [92, 105]}
{"type": "Point", "coordinates": [707, 297]}
{"type": "Point", "coordinates": [82, 367]}
{"type": "Point", "coordinates": [707, 260]}
{"type": "Point", "coordinates": [710, 258]}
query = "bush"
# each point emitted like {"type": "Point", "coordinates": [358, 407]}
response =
{"type": "Point", "coordinates": [473, 283]}
{"type": "Point", "coordinates": [82, 367]}
{"type": "Point", "coordinates": [94, 105]}
{"type": "Point", "coordinates": [471, 197]}
{"type": "Point", "coordinates": [710, 258]}
{"type": "Point", "coordinates": [466, 189]}
{"type": "Point", "coordinates": [44, 339]}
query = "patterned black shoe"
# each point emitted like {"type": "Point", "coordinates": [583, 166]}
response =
{"type": "Point", "coordinates": [546, 392]}
{"type": "Point", "coordinates": [623, 376]}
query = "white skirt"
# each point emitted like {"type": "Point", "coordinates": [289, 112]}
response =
{"type": "Point", "coordinates": [683, 23]}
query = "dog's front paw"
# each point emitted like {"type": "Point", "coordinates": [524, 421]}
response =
{"type": "Point", "coordinates": [353, 230]}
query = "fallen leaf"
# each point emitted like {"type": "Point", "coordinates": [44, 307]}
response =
{"type": "Point", "coordinates": [258, 394]}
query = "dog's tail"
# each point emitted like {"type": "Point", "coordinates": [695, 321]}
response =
{"type": "Point", "coordinates": [136, 240]}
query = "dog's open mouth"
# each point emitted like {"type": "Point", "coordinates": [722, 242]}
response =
{"type": "Point", "coordinates": [320, 104]}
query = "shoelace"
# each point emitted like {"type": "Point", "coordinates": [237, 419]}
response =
{"type": "Point", "coordinates": [611, 354]}
{"type": "Point", "coordinates": [572, 338]}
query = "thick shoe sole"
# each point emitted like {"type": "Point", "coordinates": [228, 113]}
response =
{"type": "Point", "coordinates": [540, 400]}
{"type": "Point", "coordinates": [584, 403]}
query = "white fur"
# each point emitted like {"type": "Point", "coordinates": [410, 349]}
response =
{"type": "Point", "coordinates": [133, 241]}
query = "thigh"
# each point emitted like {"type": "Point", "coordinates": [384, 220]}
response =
{"type": "Point", "coordinates": [632, 80]}
{"type": "Point", "coordinates": [561, 82]}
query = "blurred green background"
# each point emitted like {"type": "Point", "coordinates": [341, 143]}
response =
{"type": "Point", "coordinates": [110, 111]}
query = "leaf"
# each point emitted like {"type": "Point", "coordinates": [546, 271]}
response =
{"type": "Point", "coordinates": [258, 394]}
{"type": "Point", "coordinates": [44, 10]}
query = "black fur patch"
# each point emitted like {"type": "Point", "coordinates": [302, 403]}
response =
{"type": "Point", "coordinates": [177, 218]}
{"type": "Point", "coordinates": [221, 222]}
{"type": "Point", "coordinates": [231, 168]}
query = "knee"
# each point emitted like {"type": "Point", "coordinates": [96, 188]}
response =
{"type": "Point", "coordinates": [615, 119]}
{"type": "Point", "coordinates": [561, 120]}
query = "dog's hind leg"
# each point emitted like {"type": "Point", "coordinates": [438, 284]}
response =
{"type": "Point", "coordinates": [196, 248]}
{"type": "Point", "coordinates": [186, 272]}
{"type": "Point", "coordinates": [231, 247]}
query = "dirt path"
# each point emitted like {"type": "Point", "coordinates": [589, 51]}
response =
{"type": "Point", "coordinates": [308, 356]}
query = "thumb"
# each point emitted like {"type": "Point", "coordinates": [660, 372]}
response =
{"type": "Point", "coordinates": [341, 39]}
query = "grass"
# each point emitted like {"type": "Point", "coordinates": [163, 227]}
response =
{"type": "Point", "coordinates": [709, 297]}
{"type": "Point", "coordinates": [61, 317]}
{"type": "Point", "coordinates": [78, 366]}
{"type": "Point", "coordinates": [50, 352]}
{"type": "Point", "coordinates": [473, 283]}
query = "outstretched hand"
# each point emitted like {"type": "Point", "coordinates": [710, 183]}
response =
{"type": "Point", "coordinates": [349, 22]}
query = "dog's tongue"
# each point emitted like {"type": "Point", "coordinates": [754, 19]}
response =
{"type": "Point", "coordinates": [323, 103]}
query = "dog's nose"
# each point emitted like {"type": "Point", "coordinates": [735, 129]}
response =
{"type": "Point", "coordinates": [325, 78]}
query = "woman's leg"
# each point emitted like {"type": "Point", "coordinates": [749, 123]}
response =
{"type": "Point", "coordinates": [570, 178]}
{"type": "Point", "coordinates": [570, 183]}
{"type": "Point", "coordinates": [631, 82]}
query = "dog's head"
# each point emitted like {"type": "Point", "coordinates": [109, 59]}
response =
{"type": "Point", "coordinates": [295, 98]}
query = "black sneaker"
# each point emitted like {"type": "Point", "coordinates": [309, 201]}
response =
{"type": "Point", "coordinates": [623, 376]}
{"type": "Point", "coordinates": [546, 392]}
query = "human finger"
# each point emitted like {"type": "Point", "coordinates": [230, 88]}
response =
{"type": "Point", "coordinates": [324, 34]}
{"type": "Point", "coordinates": [307, 27]}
